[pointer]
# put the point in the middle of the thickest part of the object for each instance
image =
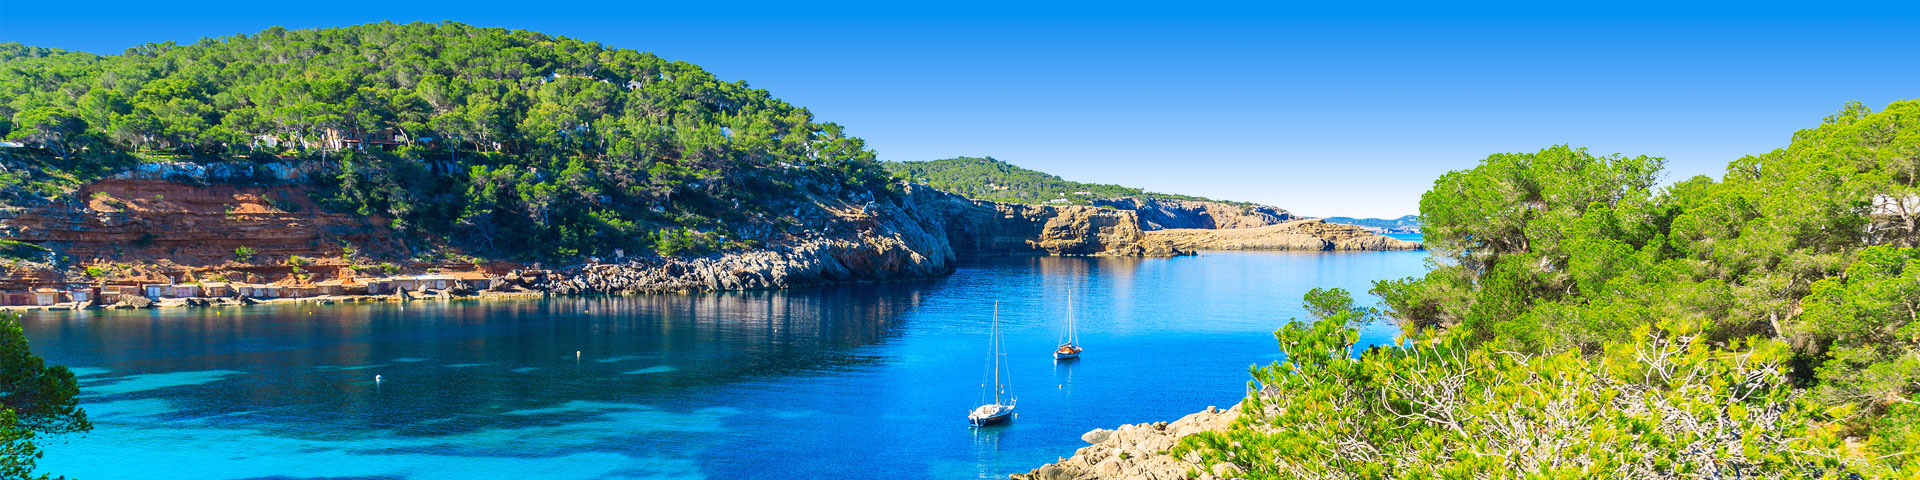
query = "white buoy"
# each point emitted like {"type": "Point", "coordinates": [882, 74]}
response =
{"type": "Point", "coordinates": [376, 379]}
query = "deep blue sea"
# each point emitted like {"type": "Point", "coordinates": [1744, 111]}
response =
{"type": "Point", "coordinates": [863, 381]}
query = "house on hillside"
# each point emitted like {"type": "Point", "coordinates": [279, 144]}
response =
{"type": "Point", "coordinates": [385, 139]}
{"type": "Point", "coordinates": [16, 298]}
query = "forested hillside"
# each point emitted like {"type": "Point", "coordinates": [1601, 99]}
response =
{"type": "Point", "coordinates": [1580, 322]}
{"type": "Point", "coordinates": [506, 142]}
{"type": "Point", "coordinates": [990, 179]}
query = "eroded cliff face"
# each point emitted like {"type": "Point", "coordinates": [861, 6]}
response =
{"type": "Point", "coordinates": [1162, 214]}
{"type": "Point", "coordinates": [991, 228]}
{"type": "Point", "coordinates": [150, 220]}
{"type": "Point", "coordinates": [868, 243]}
{"type": "Point", "coordinates": [1311, 234]}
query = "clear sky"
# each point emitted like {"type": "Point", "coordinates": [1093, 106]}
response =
{"type": "Point", "coordinates": [1322, 109]}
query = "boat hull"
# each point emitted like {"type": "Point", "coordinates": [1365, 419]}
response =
{"type": "Point", "coordinates": [996, 419]}
{"type": "Point", "coordinates": [1066, 351]}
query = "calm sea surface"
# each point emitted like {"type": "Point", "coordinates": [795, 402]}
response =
{"type": "Point", "coordinates": [868, 381]}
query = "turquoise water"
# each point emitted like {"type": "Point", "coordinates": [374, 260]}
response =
{"type": "Point", "coordinates": [866, 381]}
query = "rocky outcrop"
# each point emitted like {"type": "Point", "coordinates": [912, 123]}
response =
{"type": "Point", "coordinates": [1163, 214]}
{"type": "Point", "coordinates": [917, 235]}
{"type": "Point", "coordinates": [1140, 452]}
{"type": "Point", "coordinates": [980, 228]}
{"type": "Point", "coordinates": [1312, 234]}
{"type": "Point", "coordinates": [877, 243]}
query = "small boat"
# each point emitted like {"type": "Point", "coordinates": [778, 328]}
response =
{"type": "Point", "coordinates": [996, 412]}
{"type": "Point", "coordinates": [991, 414]}
{"type": "Point", "coordinates": [1070, 346]}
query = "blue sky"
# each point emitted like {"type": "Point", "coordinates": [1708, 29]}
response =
{"type": "Point", "coordinates": [1322, 109]}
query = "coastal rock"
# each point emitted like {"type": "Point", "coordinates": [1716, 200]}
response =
{"type": "Point", "coordinates": [1163, 213]}
{"type": "Point", "coordinates": [1310, 234]}
{"type": "Point", "coordinates": [984, 228]}
{"type": "Point", "coordinates": [1140, 451]}
{"type": "Point", "coordinates": [133, 301]}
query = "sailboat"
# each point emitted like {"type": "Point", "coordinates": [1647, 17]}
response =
{"type": "Point", "coordinates": [995, 412]}
{"type": "Point", "coordinates": [1070, 348]}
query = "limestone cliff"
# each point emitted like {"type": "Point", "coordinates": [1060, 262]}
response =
{"type": "Point", "coordinates": [150, 220]}
{"type": "Point", "coordinates": [1311, 234]}
{"type": "Point", "coordinates": [978, 227]}
{"type": "Point", "coordinates": [1161, 213]}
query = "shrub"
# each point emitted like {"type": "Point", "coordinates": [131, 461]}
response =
{"type": "Point", "coordinates": [1662, 403]}
{"type": "Point", "coordinates": [243, 254]}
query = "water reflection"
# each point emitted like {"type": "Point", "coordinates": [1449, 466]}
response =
{"type": "Point", "coordinates": [446, 366]}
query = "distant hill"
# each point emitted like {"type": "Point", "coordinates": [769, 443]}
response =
{"type": "Point", "coordinates": [991, 179]}
{"type": "Point", "coordinates": [1405, 224]}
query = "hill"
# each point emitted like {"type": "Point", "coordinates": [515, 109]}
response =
{"type": "Point", "coordinates": [991, 179]}
{"type": "Point", "coordinates": [500, 142]}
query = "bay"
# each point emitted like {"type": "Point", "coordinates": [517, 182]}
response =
{"type": "Point", "coordinates": [859, 381]}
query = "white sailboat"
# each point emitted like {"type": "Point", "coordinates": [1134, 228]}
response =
{"type": "Point", "coordinates": [1070, 344]}
{"type": "Point", "coordinates": [995, 412]}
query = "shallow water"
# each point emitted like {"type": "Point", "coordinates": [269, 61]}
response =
{"type": "Point", "coordinates": [866, 381]}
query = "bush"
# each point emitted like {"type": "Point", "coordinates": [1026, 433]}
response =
{"type": "Point", "coordinates": [1662, 403]}
{"type": "Point", "coordinates": [243, 254]}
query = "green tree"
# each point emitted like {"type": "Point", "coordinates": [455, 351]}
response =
{"type": "Point", "coordinates": [35, 399]}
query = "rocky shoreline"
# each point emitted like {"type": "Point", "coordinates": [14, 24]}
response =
{"type": "Point", "coordinates": [1311, 235]}
{"type": "Point", "coordinates": [1141, 451]}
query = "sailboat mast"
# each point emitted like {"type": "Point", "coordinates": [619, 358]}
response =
{"type": "Point", "coordinates": [1073, 334]}
{"type": "Point", "coordinates": [996, 353]}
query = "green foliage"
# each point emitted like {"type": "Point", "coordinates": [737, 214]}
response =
{"type": "Point", "coordinates": [1657, 403]}
{"type": "Point", "coordinates": [1863, 322]}
{"type": "Point", "coordinates": [21, 250]}
{"type": "Point", "coordinates": [990, 179]}
{"type": "Point", "coordinates": [507, 142]}
{"type": "Point", "coordinates": [1812, 246]}
{"type": "Point", "coordinates": [35, 399]}
{"type": "Point", "coordinates": [682, 241]}
{"type": "Point", "coordinates": [96, 273]}
{"type": "Point", "coordinates": [243, 253]}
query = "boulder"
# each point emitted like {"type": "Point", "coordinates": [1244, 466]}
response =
{"type": "Point", "coordinates": [1096, 435]}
